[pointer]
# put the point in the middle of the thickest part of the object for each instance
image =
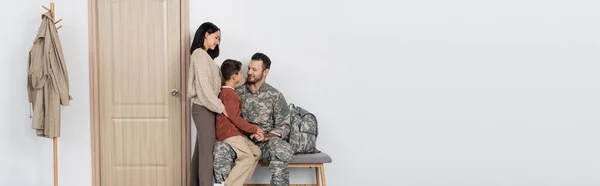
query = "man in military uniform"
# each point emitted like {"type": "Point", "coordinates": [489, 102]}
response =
{"type": "Point", "coordinates": [266, 107]}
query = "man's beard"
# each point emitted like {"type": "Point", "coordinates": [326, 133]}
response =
{"type": "Point", "coordinates": [256, 80]}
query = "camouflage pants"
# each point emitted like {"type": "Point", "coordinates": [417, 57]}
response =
{"type": "Point", "coordinates": [224, 160]}
{"type": "Point", "coordinates": [276, 152]}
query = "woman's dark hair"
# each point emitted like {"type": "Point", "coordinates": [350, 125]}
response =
{"type": "Point", "coordinates": [199, 37]}
{"type": "Point", "coordinates": [229, 68]}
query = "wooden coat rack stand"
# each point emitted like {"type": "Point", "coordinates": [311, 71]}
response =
{"type": "Point", "coordinates": [54, 140]}
{"type": "Point", "coordinates": [51, 10]}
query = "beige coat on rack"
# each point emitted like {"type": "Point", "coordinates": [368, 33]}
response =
{"type": "Point", "coordinates": [48, 81]}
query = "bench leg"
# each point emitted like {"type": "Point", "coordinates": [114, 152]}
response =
{"type": "Point", "coordinates": [317, 176]}
{"type": "Point", "coordinates": [322, 169]}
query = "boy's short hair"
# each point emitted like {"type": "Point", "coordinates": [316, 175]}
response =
{"type": "Point", "coordinates": [229, 68]}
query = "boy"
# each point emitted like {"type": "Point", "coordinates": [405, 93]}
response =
{"type": "Point", "coordinates": [231, 129]}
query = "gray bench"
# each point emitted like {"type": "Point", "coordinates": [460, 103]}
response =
{"type": "Point", "coordinates": [307, 161]}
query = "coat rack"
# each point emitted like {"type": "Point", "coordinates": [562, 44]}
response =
{"type": "Point", "coordinates": [51, 10]}
{"type": "Point", "coordinates": [54, 140]}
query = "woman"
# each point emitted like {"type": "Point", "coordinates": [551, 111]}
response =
{"type": "Point", "coordinates": [204, 84]}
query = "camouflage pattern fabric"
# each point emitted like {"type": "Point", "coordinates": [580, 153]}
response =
{"type": "Point", "coordinates": [267, 108]}
{"type": "Point", "coordinates": [277, 152]}
{"type": "Point", "coordinates": [304, 130]}
{"type": "Point", "coordinates": [224, 160]}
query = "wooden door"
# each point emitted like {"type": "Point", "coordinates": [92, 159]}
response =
{"type": "Point", "coordinates": [139, 109]}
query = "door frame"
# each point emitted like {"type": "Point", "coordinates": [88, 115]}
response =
{"type": "Point", "coordinates": [95, 99]}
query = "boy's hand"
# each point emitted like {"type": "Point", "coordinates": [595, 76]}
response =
{"type": "Point", "coordinates": [258, 136]}
{"type": "Point", "coordinates": [259, 130]}
{"type": "Point", "coordinates": [261, 137]}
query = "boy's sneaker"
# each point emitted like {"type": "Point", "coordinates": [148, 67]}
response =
{"type": "Point", "coordinates": [219, 184]}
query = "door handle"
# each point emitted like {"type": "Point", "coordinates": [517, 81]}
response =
{"type": "Point", "coordinates": [174, 92]}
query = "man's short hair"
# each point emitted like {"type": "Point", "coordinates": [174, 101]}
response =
{"type": "Point", "coordinates": [264, 58]}
{"type": "Point", "coordinates": [229, 68]}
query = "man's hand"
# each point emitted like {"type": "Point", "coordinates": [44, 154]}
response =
{"type": "Point", "coordinates": [268, 136]}
{"type": "Point", "coordinates": [260, 137]}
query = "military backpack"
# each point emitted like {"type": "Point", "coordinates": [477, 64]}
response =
{"type": "Point", "coordinates": [303, 130]}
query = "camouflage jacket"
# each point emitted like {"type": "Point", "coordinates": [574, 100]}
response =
{"type": "Point", "coordinates": [267, 108]}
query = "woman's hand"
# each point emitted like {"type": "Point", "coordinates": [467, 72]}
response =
{"type": "Point", "coordinates": [225, 113]}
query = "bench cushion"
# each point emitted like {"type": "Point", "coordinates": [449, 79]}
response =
{"type": "Point", "coordinates": [311, 158]}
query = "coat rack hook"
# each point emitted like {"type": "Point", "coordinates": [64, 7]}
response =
{"type": "Point", "coordinates": [52, 11]}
